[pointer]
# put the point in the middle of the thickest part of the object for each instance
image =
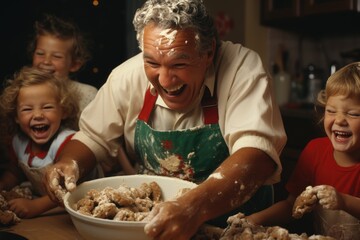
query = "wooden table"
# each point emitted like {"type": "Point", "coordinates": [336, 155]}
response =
{"type": "Point", "coordinates": [53, 225]}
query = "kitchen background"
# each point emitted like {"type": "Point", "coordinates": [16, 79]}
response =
{"type": "Point", "coordinates": [289, 35]}
{"type": "Point", "coordinates": [293, 33]}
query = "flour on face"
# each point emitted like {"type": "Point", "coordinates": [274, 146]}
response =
{"type": "Point", "coordinates": [169, 35]}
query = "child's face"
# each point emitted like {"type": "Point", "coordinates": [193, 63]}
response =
{"type": "Point", "coordinates": [53, 55]}
{"type": "Point", "coordinates": [39, 113]}
{"type": "Point", "coordinates": [342, 123]}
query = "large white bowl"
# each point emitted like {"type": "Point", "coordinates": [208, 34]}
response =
{"type": "Point", "coordinates": [103, 229]}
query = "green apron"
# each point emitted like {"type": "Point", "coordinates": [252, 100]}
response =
{"type": "Point", "coordinates": [190, 154]}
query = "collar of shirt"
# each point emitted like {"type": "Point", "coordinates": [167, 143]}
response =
{"type": "Point", "coordinates": [32, 154]}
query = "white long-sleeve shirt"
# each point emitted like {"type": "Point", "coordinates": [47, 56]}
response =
{"type": "Point", "coordinates": [248, 114]}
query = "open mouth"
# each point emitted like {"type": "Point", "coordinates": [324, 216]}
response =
{"type": "Point", "coordinates": [175, 90]}
{"type": "Point", "coordinates": [40, 128]}
{"type": "Point", "coordinates": [342, 135]}
{"type": "Point", "coordinates": [47, 70]}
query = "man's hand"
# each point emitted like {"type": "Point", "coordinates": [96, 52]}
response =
{"type": "Point", "coordinates": [172, 220]}
{"type": "Point", "coordinates": [61, 178]}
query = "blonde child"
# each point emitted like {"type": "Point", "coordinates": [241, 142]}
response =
{"type": "Point", "coordinates": [40, 111]}
{"type": "Point", "coordinates": [329, 166]}
{"type": "Point", "coordinates": [58, 47]}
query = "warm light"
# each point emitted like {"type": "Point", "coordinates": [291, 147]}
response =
{"type": "Point", "coordinates": [95, 70]}
{"type": "Point", "coordinates": [95, 3]}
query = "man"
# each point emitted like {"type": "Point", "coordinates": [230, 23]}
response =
{"type": "Point", "coordinates": [187, 106]}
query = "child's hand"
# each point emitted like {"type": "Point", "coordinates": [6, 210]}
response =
{"type": "Point", "coordinates": [305, 202]}
{"type": "Point", "coordinates": [328, 197]}
{"type": "Point", "coordinates": [23, 208]}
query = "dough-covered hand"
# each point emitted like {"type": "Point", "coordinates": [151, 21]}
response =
{"type": "Point", "coordinates": [61, 178]}
{"type": "Point", "coordinates": [305, 202]}
{"type": "Point", "coordinates": [172, 220]}
{"type": "Point", "coordinates": [328, 197]}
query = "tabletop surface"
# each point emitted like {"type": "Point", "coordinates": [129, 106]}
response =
{"type": "Point", "coordinates": [53, 225]}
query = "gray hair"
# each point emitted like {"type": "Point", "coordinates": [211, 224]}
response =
{"type": "Point", "coordinates": [180, 14]}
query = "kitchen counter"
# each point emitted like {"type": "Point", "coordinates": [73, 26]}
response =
{"type": "Point", "coordinates": [54, 225]}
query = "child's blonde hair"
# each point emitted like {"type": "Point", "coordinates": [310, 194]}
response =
{"type": "Point", "coordinates": [30, 76]}
{"type": "Point", "coordinates": [345, 81]}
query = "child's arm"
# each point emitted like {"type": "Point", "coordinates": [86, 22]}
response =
{"type": "Point", "coordinates": [12, 174]}
{"type": "Point", "coordinates": [11, 177]}
{"type": "Point", "coordinates": [26, 208]}
{"type": "Point", "coordinates": [351, 205]}
{"type": "Point", "coordinates": [329, 198]}
{"type": "Point", "coordinates": [277, 214]}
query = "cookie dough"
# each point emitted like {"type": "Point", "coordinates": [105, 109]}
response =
{"type": "Point", "coordinates": [122, 203]}
{"type": "Point", "coordinates": [305, 202]}
{"type": "Point", "coordinates": [240, 228]}
{"type": "Point", "coordinates": [8, 217]}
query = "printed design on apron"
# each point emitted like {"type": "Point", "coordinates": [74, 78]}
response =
{"type": "Point", "coordinates": [190, 154]}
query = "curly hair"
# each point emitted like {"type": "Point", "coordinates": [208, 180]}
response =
{"type": "Point", "coordinates": [345, 81]}
{"type": "Point", "coordinates": [64, 30]}
{"type": "Point", "coordinates": [179, 14]}
{"type": "Point", "coordinates": [29, 76]}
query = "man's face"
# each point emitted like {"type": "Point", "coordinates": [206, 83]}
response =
{"type": "Point", "coordinates": [174, 65]}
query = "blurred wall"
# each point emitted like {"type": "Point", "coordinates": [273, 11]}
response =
{"type": "Point", "coordinates": [239, 21]}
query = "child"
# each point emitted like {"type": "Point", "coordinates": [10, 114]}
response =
{"type": "Point", "coordinates": [59, 48]}
{"type": "Point", "coordinates": [40, 112]}
{"type": "Point", "coordinates": [329, 167]}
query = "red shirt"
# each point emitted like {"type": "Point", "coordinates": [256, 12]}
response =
{"type": "Point", "coordinates": [317, 166]}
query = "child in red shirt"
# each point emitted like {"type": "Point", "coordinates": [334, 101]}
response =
{"type": "Point", "coordinates": [328, 169]}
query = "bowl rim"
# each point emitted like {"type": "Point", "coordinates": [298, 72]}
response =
{"type": "Point", "coordinates": [86, 218]}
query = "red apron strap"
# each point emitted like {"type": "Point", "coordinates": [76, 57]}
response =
{"type": "Point", "coordinates": [149, 102]}
{"type": "Point", "coordinates": [209, 105]}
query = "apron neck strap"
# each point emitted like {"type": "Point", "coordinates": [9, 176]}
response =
{"type": "Point", "coordinates": [209, 106]}
{"type": "Point", "coordinates": [208, 103]}
{"type": "Point", "coordinates": [148, 105]}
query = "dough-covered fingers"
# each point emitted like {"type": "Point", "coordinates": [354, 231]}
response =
{"type": "Point", "coordinates": [61, 178]}
{"type": "Point", "coordinates": [305, 202]}
{"type": "Point", "coordinates": [169, 220]}
{"type": "Point", "coordinates": [327, 196]}
{"type": "Point", "coordinates": [52, 182]}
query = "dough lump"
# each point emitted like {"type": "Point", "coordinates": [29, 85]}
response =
{"type": "Point", "coordinates": [305, 202]}
{"type": "Point", "coordinates": [8, 217]}
{"type": "Point", "coordinates": [240, 228]}
{"type": "Point", "coordinates": [121, 204]}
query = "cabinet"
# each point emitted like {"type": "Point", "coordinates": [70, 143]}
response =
{"type": "Point", "coordinates": [311, 15]}
{"type": "Point", "coordinates": [329, 6]}
{"type": "Point", "coordinates": [279, 9]}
